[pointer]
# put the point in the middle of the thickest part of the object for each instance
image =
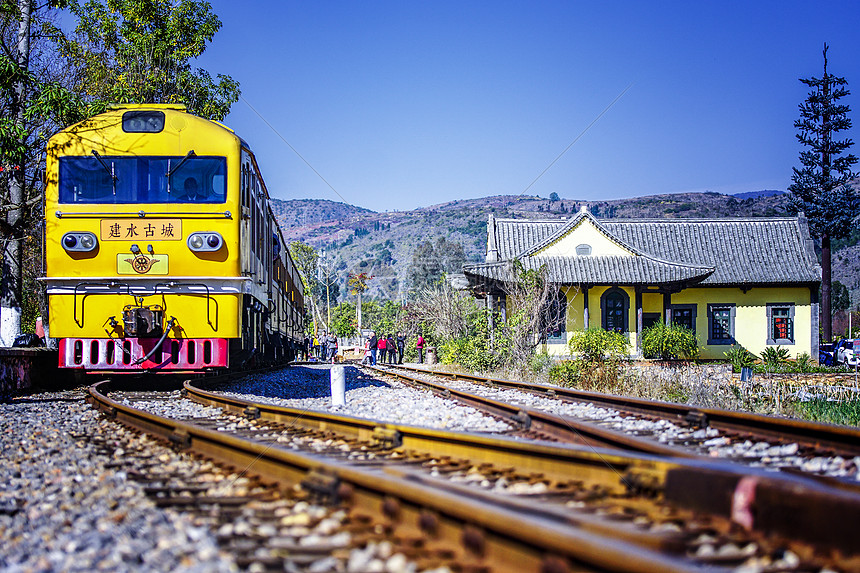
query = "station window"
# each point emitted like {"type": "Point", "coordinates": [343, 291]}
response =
{"type": "Point", "coordinates": [684, 315]}
{"type": "Point", "coordinates": [614, 305]}
{"type": "Point", "coordinates": [780, 323]}
{"type": "Point", "coordinates": [721, 324]}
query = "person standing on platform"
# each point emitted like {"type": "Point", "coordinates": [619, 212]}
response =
{"type": "Point", "coordinates": [401, 346]}
{"type": "Point", "coordinates": [331, 344]}
{"type": "Point", "coordinates": [373, 346]}
{"type": "Point", "coordinates": [420, 346]}
{"type": "Point", "coordinates": [392, 350]}
{"type": "Point", "coordinates": [381, 345]}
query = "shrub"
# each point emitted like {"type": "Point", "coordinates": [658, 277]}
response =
{"type": "Point", "coordinates": [471, 352]}
{"type": "Point", "coordinates": [803, 363]}
{"type": "Point", "coordinates": [540, 363]}
{"type": "Point", "coordinates": [740, 357]}
{"type": "Point", "coordinates": [598, 364]}
{"type": "Point", "coordinates": [597, 376]}
{"type": "Point", "coordinates": [596, 344]}
{"type": "Point", "coordinates": [567, 372]}
{"type": "Point", "coordinates": [669, 342]}
{"type": "Point", "coordinates": [774, 357]}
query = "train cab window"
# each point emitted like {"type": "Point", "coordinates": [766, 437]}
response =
{"type": "Point", "coordinates": [129, 179]}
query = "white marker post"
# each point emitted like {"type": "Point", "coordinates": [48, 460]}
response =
{"type": "Point", "coordinates": [338, 386]}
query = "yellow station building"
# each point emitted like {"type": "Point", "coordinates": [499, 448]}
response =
{"type": "Point", "coordinates": [752, 282]}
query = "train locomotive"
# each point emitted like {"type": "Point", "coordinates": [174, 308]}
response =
{"type": "Point", "coordinates": [162, 253]}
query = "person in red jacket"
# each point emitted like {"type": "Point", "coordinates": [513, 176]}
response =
{"type": "Point", "coordinates": [420, 346]}
{"type": "Point", "coordinates": [381, 345]}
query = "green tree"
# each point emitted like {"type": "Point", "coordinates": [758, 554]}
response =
{"type": "Point", "coordinates": [597, 345]}
{"type": "Point", "coordinates": [383, 318]}
{"type": "Point", "coordinates": [553, 197]}
{"type": "Point", "coordinates": [343, 320]}
{"type": "Point", "coordinates": [357, 285]}
{"type": "Point", "coordinates": [28, 74]}
{"type": "Point", "coordinates": [15, 78]}
{"type": "Point", "coordinates": [326, 288]}
{"type": "Point", "coordinates": [822, 188]}
{"type": "Point", "coordinates": [307, 259]}
{"type": "Point", "coordinates": [140, 51]}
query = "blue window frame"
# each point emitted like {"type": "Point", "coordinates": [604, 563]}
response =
{"type": "Point", "coordinates": [131, 179]}
{"type": "Point", "coordinates": [721, 324]}
{"type": "Point", "coordinates": [684, 315]}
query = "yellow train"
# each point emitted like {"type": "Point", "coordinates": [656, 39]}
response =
{"type": "Point", "coordinates": [161, 250]}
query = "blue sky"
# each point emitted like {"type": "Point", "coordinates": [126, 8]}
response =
{"type": "Point", "coordinates": [406, 104]}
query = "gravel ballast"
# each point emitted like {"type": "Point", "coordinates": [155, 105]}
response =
{"type": "Point", "coordinates": [309, 387]}
{"type": "Point", "coordinates": [62, 509]}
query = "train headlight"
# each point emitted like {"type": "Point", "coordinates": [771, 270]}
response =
{"type": "Point", "coordinates": [205, 242]}
{"type": "Point", "coordinates": [79, 242]}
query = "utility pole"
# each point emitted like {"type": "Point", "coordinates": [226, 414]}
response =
{"type": "Point", "coordinates": [10, 284]}
{"type": "Point", "coordinates": [325, 269]}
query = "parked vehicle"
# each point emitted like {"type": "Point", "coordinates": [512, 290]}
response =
{"type": "Point", "coordinates": [848, 351]}
{"type": "Point", "coordinates": [827, 354]}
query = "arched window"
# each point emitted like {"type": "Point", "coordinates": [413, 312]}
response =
{"type": "Point", "coordinates": [614, 306]}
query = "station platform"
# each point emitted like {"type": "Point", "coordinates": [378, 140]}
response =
{"type": "Point", "coordinates": [26, 369]}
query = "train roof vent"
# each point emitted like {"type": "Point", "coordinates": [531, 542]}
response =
{"type": "Point", "coordinates": [160, 106]}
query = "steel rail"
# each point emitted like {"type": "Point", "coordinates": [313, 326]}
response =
{"type": "Point", "coordinates": [841, 439]}
{"type": "Point", "coordinates": [557, 463]}
{"type": "Point", "coordinates": [498, 538]}
{"type": "Point", "coordinates": [796, 507]}
{"type": "Point", "coordinates": [559, 427]}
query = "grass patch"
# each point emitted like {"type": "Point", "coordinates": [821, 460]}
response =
{"type": "Point", "coordinates": [844, 413]}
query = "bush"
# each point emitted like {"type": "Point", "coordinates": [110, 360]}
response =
{"type": "Point", "coordinates": [540, 363]}
{"type": "Point", "coordinates": [597, 345]}
{"type": "Point", "coordinates": [669, 342]}
{"type": "Point", "coordinates": [471, 352]}
{"type": "Point", "coordinates": [567, 372]}
{"type": "Point", "coordinates": [774, 357]}
{"type": "Point", "coordinates": [740, 357]}
{"type": "Point", "coordinates": [598, 366]}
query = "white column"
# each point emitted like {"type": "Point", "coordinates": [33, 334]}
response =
{"type": "Point", "coordinates": [338, 386]}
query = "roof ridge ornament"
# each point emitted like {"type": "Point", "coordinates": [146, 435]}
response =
{"type": "Point", "coordinates": [492, 246]}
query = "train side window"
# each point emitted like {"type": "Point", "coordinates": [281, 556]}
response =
{"type": "Point", "coordinates": [245, 185]}
{"type": "Point", "coordinates": [253, 230]}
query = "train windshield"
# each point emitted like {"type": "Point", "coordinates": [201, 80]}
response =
{"type": "Point", "coordinates": [126, 179]}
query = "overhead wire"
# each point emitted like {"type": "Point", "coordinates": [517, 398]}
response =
{"type": "Point", "coordinates": [578, 137]}
{"type": "Point", "coordinates": [291, 147]}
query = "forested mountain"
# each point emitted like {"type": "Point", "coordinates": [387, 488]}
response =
{"type": "Point", "coordinates": [383, 244]}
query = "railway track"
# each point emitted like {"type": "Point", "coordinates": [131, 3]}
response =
{"type": "Point", "coordinates": [659, 428]}
{"type": "Point", "coordinates": [576, 506]}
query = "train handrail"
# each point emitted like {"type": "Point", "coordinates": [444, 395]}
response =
{"type": "Point", "coordinates": [171, 284]}
{"type": "Point", "coordinates": [108, 284]}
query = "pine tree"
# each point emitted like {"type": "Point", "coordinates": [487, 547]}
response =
{"type": "Point", "coordinates": [822, 188]}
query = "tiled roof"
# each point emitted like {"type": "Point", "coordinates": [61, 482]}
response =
{"type": "Point", "coordinates": [740, 251]}
{"type": "Point", "coordinates": [745, 251]}
{"type": "Point", "coordinates": [635, 270]}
